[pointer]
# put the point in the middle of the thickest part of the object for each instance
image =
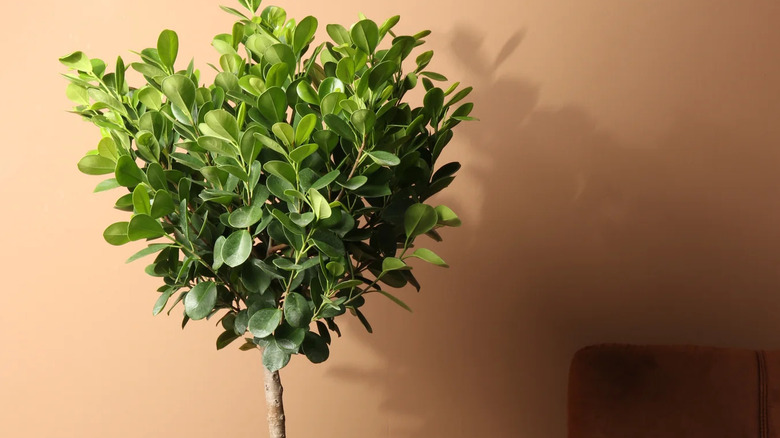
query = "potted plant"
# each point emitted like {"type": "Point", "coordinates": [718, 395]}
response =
{"type": "Point", "coordinates": [283, 194]}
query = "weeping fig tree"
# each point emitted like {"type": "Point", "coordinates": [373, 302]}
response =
{"type": "Point", "coordinates": [280, 196]}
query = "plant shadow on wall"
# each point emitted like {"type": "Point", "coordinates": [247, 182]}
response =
{"type": "Point", "coordinates": [578, 240]}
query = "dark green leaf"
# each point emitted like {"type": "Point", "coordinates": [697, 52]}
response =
{"type": "Point", "coordinates": [143, 226]}
{"type": "Point", "coordinates": [274, 357]}
{"type": "Point", "coordinates": [296, 310]}
{"type": "Point", "coordinates": [245, 216]}
{"type": "Point", "coordinates": [315, 348]}
{"type": "Point", "coordinates": [180, 91]}
{"type": "Point", "coordinates": [384, 158]}
{"type": "Point", "coordinates": [162, 300]}
{"type": "Point", "coordinates": [151, 249]}
{"type": "Point", "coordinates": [264, 322]}
{"type": "Point", "coordinates": [303, 34]}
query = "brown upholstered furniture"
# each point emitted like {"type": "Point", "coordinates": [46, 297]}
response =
{"type": "Point", "coordinates": [618, 391]}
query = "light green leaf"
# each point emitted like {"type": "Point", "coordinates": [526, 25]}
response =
{"type": "Point", "coordinates": [77, 94]}
{"type": "Point", "coordinates": [305, 128]}
{"type": "Point", "coordinates": [237, 248]}
{"type": "Point", "coordinates": [280, 53]}
{"type": "Point", "coordinates": [319, 205]}
{"type": "Point", "coordinates": [302, 152]}
{"type": "Point", "coordinates": [419, 219]}
{"type": "Point", "coordinates": [78, 61]}
{"type": "Point", "coordinates": [96, 165]}
{"type": "Point", "coordinates": [218, 260]}
{"type": "Point", "coordinates": [430, 257]}
{"type": "Point", "coordinates": [281, 169]}
{"type": "Point", "coordinates": [168, 48]}
{"type": "Point", "coordinates": [106, 185]}
{"type": "Point", "coordinates": [217, 145]}
{"type": "Point", "coordinates": [272, 104]}
{"type": "Point", "coordinates": [116, 234]}
{"type": "Point", "coordinates": [447, 216]}
{"type": "Point", "coordinates": [363, 120]}
{"type": "Point", "coordinates": [307, 93]}
{"type": "Point", "coordinates": [339, 34]}
{"type": "Point", "coordinates": [200, 300]}
{"type": "Point", "coordinates": [285, 133]}
{"type": "Point", "coordinates": [150, 97]}
{"type": "Point", "coordinates": [394, 264]}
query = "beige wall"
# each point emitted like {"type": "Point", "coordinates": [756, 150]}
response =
{"type": "Point", "coordinates": [622, 186]}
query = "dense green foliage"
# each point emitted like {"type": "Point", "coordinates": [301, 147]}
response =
{"type": "Point", "coordinates": [287, 190]}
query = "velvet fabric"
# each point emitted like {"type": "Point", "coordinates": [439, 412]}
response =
{"type": "Point", "coordinates": [618, 391]}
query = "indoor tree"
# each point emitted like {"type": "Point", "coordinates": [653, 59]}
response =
{"type": "Point", "coordinates": [280, 196]}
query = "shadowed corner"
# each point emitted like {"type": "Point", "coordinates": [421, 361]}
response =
{"type": "Point", "coordinates": [574, 239]}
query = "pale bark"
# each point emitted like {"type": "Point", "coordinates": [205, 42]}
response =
{"type": "Point", "coordinates": [273, 400]}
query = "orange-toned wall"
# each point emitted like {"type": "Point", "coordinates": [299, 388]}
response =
{"type": "Point", "coordinates": [622, 185]}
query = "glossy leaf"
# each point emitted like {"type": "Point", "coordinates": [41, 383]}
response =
{"type": "Point", "coordinates": [200, 300]}
{"type": "Point", "coordinates": [304, 32]}
{"type": "Point", "coordinates": [296, 310]}
{"type": "Point", "coordinates": [245, 216]}
{"type": "Point", "coordinates": [430, 257]}
{"type": "Point", "coordinates": [319, 205]}
{"type": "Point", "coordinates": [143, 226]}
{"type": "Point", "coordinates": [237, 248]}
{"type": "Point", "coordinates": [116, 233]}
{"type": "Point", "coordinates": [365, 35]}
{"type": "Point", "coordinates": [419, 219]}
{"type": "Point", "coordinates": [264, 322]}
{"type": "Point", "coordinates": [180, 91]}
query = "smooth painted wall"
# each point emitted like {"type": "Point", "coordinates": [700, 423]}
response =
{"type": "Point", "coordinates": [622, 186]}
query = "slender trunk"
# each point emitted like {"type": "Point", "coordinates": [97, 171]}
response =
{"type": "Point", "coordinates": [273, 400]}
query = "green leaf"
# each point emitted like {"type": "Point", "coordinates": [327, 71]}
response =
{"type": "Point", "coordinates": [237, 248]}
{"type": "Point", "coordinates": [430, 257]}
{"type": "Point", "coordinates": [434, 102]}
{"type": "Point", "coordinates": [180, 91]}
{"type": "Point", "coordinates": [200, 300]}
{"type": "Point", "coordinates": [285, 133]}
{"type": "Point", "coordinates": [156, 177]}
{"type": "Point", "coordinates": [419, 219]}
{"type": "Point", "coordinates": [226, 338]}
{"type": "Point", "coordinates": [280, 53]}
{"type": "Point", "coordinates": [315, 348]}
{"type": "Point", "coordinates": [264, 322]}
{"type": "Point", "coordinates": [106, 185]}
{"type": "Point", "coordinates": [141, 201]}
{"type": "Point", "coordinates": [150, 97]}
{"type": "Point", "coordinates": [307, 93]}
{"type": "Point", "coordinates": [162, 205]}
{"type": "Point", "coordinates": [116, 234]}
{"type": "Point", "coordinates": [395, 299]}
{"type": "Point", "coordinates": [281, 169]}
{"type": "Point", "coordinates": [447, 216]}
{"type": "Point", "coordinates": [384, 158]}
{"type": "Point", "coordinates": [328, 243]}
{"type": "Point", "coordinates": [296, 310]}
{"type": "Point", "coordinates": [394, 264]}
{"type": "Point", "coordinates": [434, 76]}
{"type": "Point", "coordinates": [325, 180]}
{"type": "Point", "coordinates": [127, 172]}
{"type": "Point", "coordinates": [222, 124]}
{"type": "Point", "coordinates": [168, 48]}
{"type": "Point", "coordinates": [319, 205]}
{"type": "Point", "coordinates": [274, 357]}
{"type": "Point", "coordinates": [217, 254]}
{"type": "Point", "coordinates": [305, 128]}
{"type": "Point", "coordinates": [96, 165]}
{"type": "Point", "coordinates": [217, 146]}
{"type": "Point", "coordinates": [302, 152]}
{"type": "Point", "coordinates": [340, 127]}
{"type": "Point", "coordinates": [143, 226]}
{"type": "Point", "coordinates": [272, 104]}
{"type": "Point", "coordinates": [363, 120]}
{"type": "Point", "coordinates": [339, 34]}
{"type": "Point", "coordinates": [245, 216]}
{"type": "Point", "coordinates": [77, 61]}
{"type": "Point", "coordinates": [151, 249]}
{"type": "Point", "coordinates": [303, 34]}
{"type": "Point", "coordinates": [77, 94]}
{"type": "Point", "coordinates": [364, 321]}
{"type": "Point", "coordinates": [355, 182]}
{"type": "Point", "coordinates": [162, 300]}
{"type": "Point", "coordinates": [365, 35]}
{"type": "Point", "coordinates": [345, 70]}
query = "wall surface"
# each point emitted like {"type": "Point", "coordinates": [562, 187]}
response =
{"type": "Point", "coordinates": [622, 186]}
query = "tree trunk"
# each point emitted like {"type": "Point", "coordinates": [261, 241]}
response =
{"type": "Point", "coordinates": [273, 400]}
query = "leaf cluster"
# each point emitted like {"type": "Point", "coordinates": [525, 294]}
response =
{"type": "Point", "coordinates": [283, 193]}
